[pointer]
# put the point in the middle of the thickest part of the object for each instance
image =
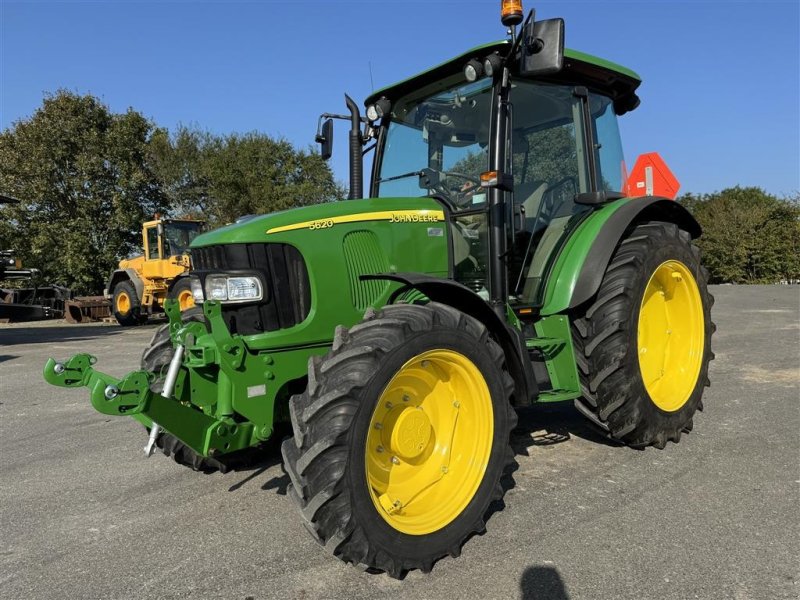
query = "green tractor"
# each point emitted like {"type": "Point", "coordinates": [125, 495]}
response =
{"type": "Point", "coordinates": [501, 258]}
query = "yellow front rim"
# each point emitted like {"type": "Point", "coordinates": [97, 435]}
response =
{"type": "Point", "coordinates": [429, 442]}
{"type": "Point", "coordinates": [671, 335]}
{"type": "Point", "coordinates": [185, 300]}
{"type": "Point", "coordinates": [123, 303]}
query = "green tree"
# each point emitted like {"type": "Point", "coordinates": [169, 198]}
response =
{"type": "Point", "coordinates": [749, 236]}
{"type": "Point", "coordinates": [225, 177]}
{"type": "Point", "coordinates": [83, 175]}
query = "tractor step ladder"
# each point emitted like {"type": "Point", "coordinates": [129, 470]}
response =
{"type": "Point", "coordinates": [554, 342]}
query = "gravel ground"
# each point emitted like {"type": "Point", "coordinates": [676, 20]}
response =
{"type": "Point", "coordinates": [84, 515]}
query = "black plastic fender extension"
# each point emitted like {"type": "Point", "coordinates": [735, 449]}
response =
{"type": "Point", "coordinates": [648, 207]}
{"type": "Point", "coordinates": [464, 299]}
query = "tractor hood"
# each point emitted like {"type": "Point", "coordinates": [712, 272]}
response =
{"type": "Point", "coordinates": [323, 216]}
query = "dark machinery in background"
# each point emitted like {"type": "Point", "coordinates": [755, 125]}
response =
{"type": "Point", "coordinates": [32, 302]}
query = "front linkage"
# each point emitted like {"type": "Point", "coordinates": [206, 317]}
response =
{"type": "Point", "coordinates": [210, 371]}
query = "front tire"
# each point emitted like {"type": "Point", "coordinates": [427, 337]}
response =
{"type": "Point", "coordinates": [126, 305]}
{"type": "Point", "coordinates": [402, 437]}
{"type": "Point", "coordinates": [181, 291]}
{"type": "Point", "coordinates": [643, 345]}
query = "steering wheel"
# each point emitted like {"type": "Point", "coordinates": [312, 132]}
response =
{"type": "Point", "coordinates": [438, 179]}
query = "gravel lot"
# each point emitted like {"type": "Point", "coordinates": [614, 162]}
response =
{"type": "Point", "coordinates": [84, 515]}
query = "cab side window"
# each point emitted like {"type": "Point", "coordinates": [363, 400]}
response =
{"type": "Point", "coordinates": [152, 243]}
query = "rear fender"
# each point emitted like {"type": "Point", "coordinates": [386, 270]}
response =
{"type": "Point", "coordinates": [580, 267]}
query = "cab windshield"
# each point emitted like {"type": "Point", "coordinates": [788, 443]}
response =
{"type": "Point", "coordinates": [178, 236]}
{"type": "Point", "coordinates": [439, 144]}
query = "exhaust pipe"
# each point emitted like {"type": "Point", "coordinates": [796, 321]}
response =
{"type": "Point", "coordinates": [356, 158]}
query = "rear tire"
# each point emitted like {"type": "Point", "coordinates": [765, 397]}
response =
{"type": "Point", "coordinates": [127, 305]}
{"type": "Point", "coordinates": [611, 341]}
{"type": "Point", "coordinates": [348, 434]}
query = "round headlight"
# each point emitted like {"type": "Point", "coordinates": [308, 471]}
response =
{"type": "Point", "coordinates": [372, 112]}
{"type": "Point", "coordinates": [473, 70]}
{"type": "Point", "coordinates": [492, 64]}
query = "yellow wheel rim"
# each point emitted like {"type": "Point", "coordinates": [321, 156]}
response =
{"type": "Point", "coordinates": [185, 300]}
{"type": "Point", "coordinates": [671, 335]}
{"type": "Point", "coordinates": [429, 442]}
{"type": "Point", "coordinates": [123, 303]}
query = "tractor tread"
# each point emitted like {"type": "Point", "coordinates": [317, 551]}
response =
{"type": "Point", "coordinates": [604, 336]}
{"type": "Point", "coordinates": [316, 458]}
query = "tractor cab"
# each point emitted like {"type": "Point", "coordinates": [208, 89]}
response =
{"type": "Point", "coordinates": [554, 154]}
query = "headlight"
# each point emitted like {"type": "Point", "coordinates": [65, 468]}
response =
{"type": "Point", "coordinates": [233, 289]}
{"type": "Point", "coordinates": [197, 290]}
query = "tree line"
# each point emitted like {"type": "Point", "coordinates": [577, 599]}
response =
{"type": "Point", "coordinates": [749, 236]}
{"type": "Point", "coordinates": [88, 177]}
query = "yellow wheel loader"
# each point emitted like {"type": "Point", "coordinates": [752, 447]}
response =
{"type": "Point", "coordinates": [140, 285]}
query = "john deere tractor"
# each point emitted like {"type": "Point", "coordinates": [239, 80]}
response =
{"type": "Point", "coordinates": [502, 257]}
{"type": "Point", "coordinates": [141, 284]}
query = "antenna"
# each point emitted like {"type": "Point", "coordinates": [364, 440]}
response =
{"type": "Point", "coordinates": [371, 83]}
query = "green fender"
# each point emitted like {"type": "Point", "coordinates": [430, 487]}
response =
{"type": "Point", "coordinates": [579, 268]}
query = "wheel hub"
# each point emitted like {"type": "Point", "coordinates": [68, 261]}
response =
{"type": "Point", "coordinates": [411, 433]}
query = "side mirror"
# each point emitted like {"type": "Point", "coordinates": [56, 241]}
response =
{"type": "Point", "coordinates": [325, 139]}
{"type": "Point", "coordinates": [542, 47]}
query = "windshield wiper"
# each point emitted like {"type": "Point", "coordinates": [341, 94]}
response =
{"type": "Point", "coordinates": [403, 176]}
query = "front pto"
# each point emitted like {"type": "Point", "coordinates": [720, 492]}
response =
{"type": "Point", "coordinates": [211, 378]}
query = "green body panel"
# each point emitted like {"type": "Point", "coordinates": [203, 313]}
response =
{"type": "Point", "coordinates": [554, 340]}
{"type": "Point", "coordinates": [337, 297]}
{"type": "Point", "coordinates": [564, 274]}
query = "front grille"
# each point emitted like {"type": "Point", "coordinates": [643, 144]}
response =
{"type": "Point", "coordinates": [285, 276]}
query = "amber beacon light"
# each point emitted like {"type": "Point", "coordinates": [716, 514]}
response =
{"type": "Point", "coordinates": [510, 12]}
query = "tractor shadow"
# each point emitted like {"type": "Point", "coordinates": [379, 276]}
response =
{"type": "Point", "coordinates": [546, 425]}
{"type": "Point", "coordinates": [267, 457]}
{"type": "Point", "coordinates": [551, 424]}
{"type": "Point", "coordinates": [538, 425]}
{"type": "Point", "coordinates": [21, 335]}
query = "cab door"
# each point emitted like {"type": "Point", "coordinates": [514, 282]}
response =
{"type": "Point", "coordinates": [153, 265]}
{"type": "Point", "coordinates": [551, 166]}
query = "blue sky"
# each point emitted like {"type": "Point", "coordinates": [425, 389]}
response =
{"type": "Point", "coordinates": [719, 98]}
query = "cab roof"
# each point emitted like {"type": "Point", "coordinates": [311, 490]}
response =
{"type": "Point", "coordinates": [595, 73]}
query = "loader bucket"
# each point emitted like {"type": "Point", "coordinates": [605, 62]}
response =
{"type": "Point", "coordinates": [85, 309]}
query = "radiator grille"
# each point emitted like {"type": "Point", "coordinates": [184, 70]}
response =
{"type": "Point", "coordinates": [284, 273]}
{"type": "Point", "coordinates": [364, 256]}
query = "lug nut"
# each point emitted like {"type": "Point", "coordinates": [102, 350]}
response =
{"type": "Point", "coordinates": [389, 405]}
{"type": "Point", "coordinates": [406, 398]}
{"type": "Point", "coordinates": [379, 449]}
{"type": "Point", "coordinates": [395, 460]}
{"type": "Point", "coordinates": [378, 425]}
